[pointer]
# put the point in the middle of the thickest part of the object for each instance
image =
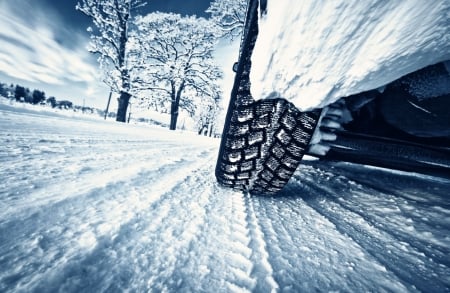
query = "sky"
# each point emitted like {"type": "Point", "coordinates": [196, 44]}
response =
{"type": "Point", "coordinates": [43, 45]}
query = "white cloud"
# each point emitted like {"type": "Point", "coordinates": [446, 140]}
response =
{"type": "Point", "coordinates": [30, 50]}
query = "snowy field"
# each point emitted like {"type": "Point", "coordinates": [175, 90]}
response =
{"type": "Point", "coordinates": [95, 206]}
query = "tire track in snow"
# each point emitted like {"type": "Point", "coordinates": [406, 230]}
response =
{"type": "Point", "coordinates": [237, 254]}
{"type": "Point", "coordinates": [262, 270]}
{"type": "Point", "coordinates": [405, 260]}
{"type": "Point", "coordinates": [57, 170]}
{"type": "Point", "coordinates": [67, 162]}
{"type": "Point", "coordinates": [397, 258]}
{"type": "Point", "coordinates": [415, 215]}
{"type": "Point", "coordinates": [85, 180]}
{"type": "Point", "coordinates": [228, 243]}
{"type": "Point", "coordinates": [172, 249]}
{"type": "Point", "coordinates": [220, 256]}
{"type": "Point", "coordinates": [63, 165]}
{"type": "Point", "coordinates": [79, 223]}
{"type": "Point", "coordinates": [308, 253]}
{"type": "Point", "coordinates": [277, 261]}
{"type": "Point", "coordinates": [392, 219]}
{"type": "Point", "coordinates": [146, 250]}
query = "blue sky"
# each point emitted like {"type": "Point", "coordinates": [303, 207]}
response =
{"type": "Point", "coordinates": [43, 46]}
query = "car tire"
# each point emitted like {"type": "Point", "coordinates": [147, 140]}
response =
{"type": "Point", "coordinates": [263, 145]}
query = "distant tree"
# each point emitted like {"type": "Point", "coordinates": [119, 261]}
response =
{"type": "Point", "coordinates": [207, 116]}
{"type": "Point", "coordinates": [19, 93]}
{"type": "Point", "coordinates": [64, 104]}
{"type": "Point", "coordinates": [7, 91]}
{"type": "Point", "coordinates": [28, 96]}
{"type": "Point", "coordinates": [11, 91]}
{"type": "Point", "coordinates": [229, 16]}
{"type": "Point", "coordinates": [37, 97]}
{"type": "Point", "coordinates": [176, 62]}
{"type": "Point", "coordinates": [110, 40]}
{"type": "Point", "coordinates": [52, 101]}
{"type": "Point", "coordinates": [3, 91]}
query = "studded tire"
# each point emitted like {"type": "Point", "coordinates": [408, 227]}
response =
{"type": "Point", "coordinates": [263, 146]}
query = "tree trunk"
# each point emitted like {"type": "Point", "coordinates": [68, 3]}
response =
{"type": "Point", "coordinates": [211, 126]}
{"type": "Point", "coordinates": [175, 106]}
{"type": "Point", "coordinates": [124, 74]}
{"type": "Point", "coordinates": [123, 106]}
{"type": "Point", "coordinates": [201, 129]}
{"type": "Point", "coordinates": [174, 114]}
{"type": "Point", "coordinates": [107, 105]}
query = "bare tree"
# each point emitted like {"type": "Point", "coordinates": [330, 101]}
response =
{"type": "Point", "coordinates": [206, 117]}
{"type": "Point", "coordinates": [177, 65]}
{"type": "Point", "coordinates": [229, 15]}
{"type": "Point", "coordinates": [110, 40]}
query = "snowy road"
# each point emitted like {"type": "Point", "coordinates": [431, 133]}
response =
{"type": "Point", "coordinates": [94, 206]}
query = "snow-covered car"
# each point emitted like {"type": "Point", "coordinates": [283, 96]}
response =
{"type": "Point", "coordinates": [358, 81]}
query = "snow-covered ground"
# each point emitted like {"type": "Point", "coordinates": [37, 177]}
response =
{"type": "Point", "coordinates": [95, 206]}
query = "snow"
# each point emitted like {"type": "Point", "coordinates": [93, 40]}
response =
{"type": "Point", "coordinates": [96, 206]}
{"type": "Point", "coordinates": [314, 52]}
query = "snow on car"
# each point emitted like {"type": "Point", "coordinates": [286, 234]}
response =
{"type": "Point", "coordinates": [313, 53]}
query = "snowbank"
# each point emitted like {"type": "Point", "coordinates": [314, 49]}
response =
{"type": "Point", "coordinates": [314, 52]}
